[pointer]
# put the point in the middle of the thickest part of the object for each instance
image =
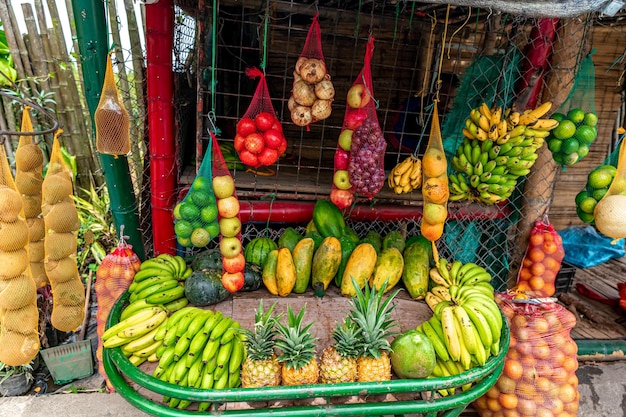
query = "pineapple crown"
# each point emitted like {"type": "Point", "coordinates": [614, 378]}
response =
{"type": "Point", "coordinates": [296, 342]}
{"type": "Point", "coordinates": [347, 336]}
{"type": "Point", "coordinates": [261, 341]}
{"type": "Point", "coordinates": [372, 315]}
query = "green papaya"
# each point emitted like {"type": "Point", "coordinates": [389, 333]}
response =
{"type": "Point", "coordinates": [416, 267]}
{"type": "Point", "coordinates": [351, 234]}
{"type": "Point", "coordinates": [289, 238]}
{"type": "Point", "coordinates": [394, 239]}
{"type": "Point", "coordinates": [317, 238]}
{"type": "Point", "coordinates": [375, 239]}
{"type": "Point", "coordinates": [347, 246]}
{"type": "Point", "coordinates": [310, 227]}
{"type": "Point", "coordinates": [388, 269]}
{"type": "Point", "coordinates": [328, 219]}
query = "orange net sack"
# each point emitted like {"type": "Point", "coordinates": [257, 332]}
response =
{"type": "Point", "coordinates": [19, 316]}
{"type": "Point", "coordinates": [113, 276]}
{"type": "Point", "coordinates": [259, 138]}
{"type": "Point", "coordinates": [60, 244]}
{"type": "Point", "coordinates": [539, 376]}
{"type": "Point", "coordinates": [111, 118]}
{"type": "Point", "coordinates": [28, 180]}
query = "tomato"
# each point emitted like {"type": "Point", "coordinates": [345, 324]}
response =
{"type": "Point", "coordinates": [268, 156]}
{"type": "Point", "coordinates": [264, 121]}
{"type": "Point", "coordinates": [277, 126]}
{"type": "Point", "coordinates": [246, 126]}
{"type": "Point", "coordinates": [248, 158]}
{"type": "Point", "coordinates": [273, 138]}
{"type": "Point", "coordinates": [283, 147]}
{"type": "Point", "coordinates": [254, 143]}
{"type": "Point", "coordinates": [239, 142]}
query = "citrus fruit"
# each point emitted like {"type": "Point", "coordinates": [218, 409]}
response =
{"type": "Point", "coordinates": [585, 134]}
{"type": "Point", "coordinates": [608, 168]}
{"type": "Point", "coordinates": [599, 193]}
{"type": "Point", "coordinates": [412, 355]}
{"type": "Point", "coordinates": [558, 117]}
{"type": "Point", "coordinates": [183, 241]}
{"type": "Point", "coordinates": [554, 145]}
{"type": "Point", "coordinates": [208, 214]}
{"type": "Point", "coordinates": [576, 115]}
{"type": "Point", "coordinates": [435, 190]}
{"type": "Point", "coordinates": [183, 228]}
{"type": "Point", "coordinates": [435, 213]}
{"type": "Point", "coordinates": [213, 229]}
{"type": "Point", "coordinates": [569, 145]}
{"type": "Point", "coordinates": [564, 130]}
{"type": "Point", "coordinates": [176, 212]}
{"type": "Point", "coordinates": [188, 211]}
{"type": "Point", "coordinates": [570, 159]}
{"type": "Point", "coordinates": [558, 158]}
{"type": "Point", "coordinates": [588, 204]}
{"type": "Point", "coordinates": [599, 178]}
{"type": "Point", "coordinates": [200, 237]}
{"type": "Point", "coordinates": [583, 150]}
{"type": "Point", "coordinates": [591, 119]}
{"type": "Point", "coordinates": [434, 163]}
{"type": "Point", "coordinates": [581, 196]}
{"type": "Point", "coordinates": [585, 217]}
{"type": "Point", "coordinates": [201, 198]}
{"type": "Point", "coordinates": [202, 184]}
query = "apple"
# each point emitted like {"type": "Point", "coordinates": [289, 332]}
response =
{"type": "Point", "coordinates": [358, 96]}
{"type": "Point", "coordinates": [239, 142]}
{"type": "Point", "coordinates": [228, 207]}
{"type": "Point", "coordinates": [234, 264]}
{"type": "Point", "coordinates": [230, 226]}
{"type": "Point", "coordinates": [354, 118]}
{"type": "Point", "coordinates": [233, 282]}
{"type": "Point", "coordinates": [345, 139]}
{"type": "Point", "coordinates": [264, 121]}
{"type": "Point", "coordinates": [268, 156]}
{"type": "Point", "coordinates": [273, 138]}
{"type": "Point", "coordinates": [223, 186]}
{"type": "Point", "coordinates": [342, 159]}
{"type": "Point", "coordinates": [254, 142]}
{"type": "Point", "coordinates": [341, 179]}
{"type": "Point", "coordinates": [341, 198]}
{"type": "Point", "coordinates": [230, 247]}
{"type": "Point", "coordinates": [249, 158]}
{"type": "Point", "coordinates": [246, 126]}
{"type": "Point", "coordinates": [283, 147]}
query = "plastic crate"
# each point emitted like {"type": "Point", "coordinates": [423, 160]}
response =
{"type": "Point", "coordinates": [69, 362]}
{"type": "Point", "coordinates": [565, 278]}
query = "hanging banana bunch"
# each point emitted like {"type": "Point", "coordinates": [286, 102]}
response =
{"type": "Point", "coordinates": [406, 176]}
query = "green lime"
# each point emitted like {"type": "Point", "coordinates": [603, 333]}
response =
{"type": "Point", "coordinates": [554, 145]}
{"type": "Point", "coordinates": [213, 229]}
{"type": "Point", "coordinates": [564, 130]}
{"type": "Point", "coordinates": [558, 157]}
{"type": "Point", "coordinates": [585, 134]}
{"type": "Point", "coordinates": [608, 168]}
{"type": "Point", "coordinates": [583, 150]}
{"type": "Point", "coordinates": [581, 196]}
{"type": "Point", "coordinates": [202, 184]}
{"type": "Point", "coordinates": [185, 242]}
{"type": "Point", "coordinates": [570, 159]}
{"type": "Point", "coordinates": [209, 213]}
{"type": "Point", "coordinates": [176, 212]}
{"type": "Point", "coordinates": [585, 217]}
{"type": "Point", "coordinates": [200, 237]}
{"type": "Point", "coordinates": [412, 355]}
{"type": "Point", "coordinates": [599, 193]}
{"type": "Point", "coordinates": [600, 178]}
{"type": "Point", "coordinates": [188, 211]}
{"type": "Point", "coordinates": [588, 204]}
{"type": "Point", "coordinates": [591, 119]}
{"type": "Point", "coordinates": [559, 117]}
{"type": "Point", "coordinates": [576, 115]}
{"type": "Point", "coordinates": [201, 198]}
{"type": "Point", "coordinates": [183, 228]}
{"type": "Point", "coordinates": [569, 146]}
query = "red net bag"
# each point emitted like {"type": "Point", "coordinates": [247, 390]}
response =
{"type": "Point", "coordinates": [359, 157]}
{"type": "Point", "coordinates": [113, 276]}
{"type": "Point", "coordinates": [259, 138]}
{"type": "Point", "coordinates": [542, 260]}
{"type": "Point", "coordinates": [233, 260]}
{"type": "Point", "coordinates": [539, 377]}
{"type": "Point", "coordinates": [313, 92]}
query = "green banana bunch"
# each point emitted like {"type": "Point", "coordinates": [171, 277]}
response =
{"type": "Point", "coordinates": [231, 157]}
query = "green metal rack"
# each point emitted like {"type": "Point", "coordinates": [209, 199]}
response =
{"type": "Point", "coordinates": [122, 374]}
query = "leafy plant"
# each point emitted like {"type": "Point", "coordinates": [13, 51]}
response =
{"type": "Point", "coordinates": [7, 371]}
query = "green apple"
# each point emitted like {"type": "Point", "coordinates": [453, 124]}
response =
{"type": "Point", "coordinates": [223, 186]}
{"type": "Point", "coordinates": [230, 247]}
{"type": "Point", "coordinates": [230, 226]}
{"type": "Point", "coordinates": [345, 139]}
{"type": "Point", "coordinates": [341, 179]}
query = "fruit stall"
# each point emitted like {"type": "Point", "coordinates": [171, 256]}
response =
{"type": "Point", "coordinates": [351, 210]}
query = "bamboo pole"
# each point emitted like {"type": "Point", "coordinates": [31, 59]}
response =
{"type": "Point", "coordinates": [17, 48]}
{"type": "Point", "coordinates": [36, 52]}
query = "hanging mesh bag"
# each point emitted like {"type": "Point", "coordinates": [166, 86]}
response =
{"type": "Point", "coordinates": [231, 249]}
{"type": "Point", "coordinates": [359, 157]}
{"type": "Point", "coordinates": [111, 118]}
{"type": "Point", "coordinates": [312, 92]}
{"type": "Point", "coordinates": [195, 217]}
{"type": "Point", "coordinates": [259, 138]}
{"type": "Point", "coordinates": [19, 316]}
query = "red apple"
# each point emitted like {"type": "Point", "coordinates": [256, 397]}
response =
{"type": "Point", "coordinates": [233, 282]}
{"type": "Point", "coordinates": [358, 96]}
{"type": "Point", "coordinates": [341, 179]}
{"type": "Point", "coordinates": [342, 159]}
{"type": "Point", "coordinates": [239, 142]}
{"type": "Point", "coordinates": [248, 158]}
{"type": "Point", "coordinates": [254, 143]}
{"type": "Point", "coordinates": [341, 198]}
{"type": "Point", "coordinates": [354, 118]}
{"type": "Point", "coordinates": [345, 139]}
{"type": "Point", "coordinates": [268, 156]}
{"type": "Point", "coordinates": [283, 147]}
{"type": "Point", "coordinates": [264, 121]}
{"type": "Point", "coordinates": [228, 207]}
{"type": "Point", "coordinates": [234, 264]}
{"type": "Point", "coordinates": [273, 138]}
{"type": "Point", "coordinates": [277, 125]}
{"type": "Point", "coordinates": [246, 126]}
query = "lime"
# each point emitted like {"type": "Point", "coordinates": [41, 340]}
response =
{"type": "Point", "coordinates": [570, 159]}
{"type": "Point", "coordinates": [564, 130]}
{"type": "Point", "coordinates": [200, 237]}
{"type": "Point", "coordinates": [581, 196]}
{"type": "Point", "coordinates": [185, 242]}
{"type": "Point", "coordinates": [599, 178]}
{"type": "Point", "coordinates": [585, 217]}
{"type": "Point", "coordinates": [201, 198]}
{"type": "Point", "coordinates": [569, 146]}
{"type": "Point", "coordinates": [588, 204]}
{"type": "Point", "coordinates": [213, 229]}
{"type": "Point", "coordinates": [576, 115]}
{"type": "Point", "coordinates": [583, 150]}
{"type": "Point", "coordinates": [559, 117]}
{"type": "Point", "coordinates": [591, 119]}
{"type": "Point", "coordinates": [208, 214]}
{"type": "Point", "coordinates": [176, 212]}
{"type": "Point", "coordinates": [412, 355]}
{"type": "Point", "coordinates": [558, 157]}
{"type": "Point", "coordinates": [188, 211]}
{"type": "Point", "coordinates": [585, 134]}
{"type": "Point", "coordinates": [554, 145]}
{"type": "Point", "coordinates": [608, 168]}
{"type": "Point", "coordinates": [202, 184]}
{"type": "Point", "coordinates": [183, 228]}
{"type": "Point", "coordinates": [599, 193]}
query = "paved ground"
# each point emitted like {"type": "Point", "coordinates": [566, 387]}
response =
{"type": "Point", "coordinates": [602, 387]}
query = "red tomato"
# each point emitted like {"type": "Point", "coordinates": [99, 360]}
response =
{"type": "Point", "coordinates": [239, 142]}
{"type": "Point", "coordinates": [277, 126]}
{"type": "Point", "coordinates": [254, 143]}
{"type": "Point", "coordinates": [246, 126]}
{"type": "Point", "coordinates": [264, 121]}
{"type": "Point", "coordinates": [283, 147]}
{"type": "Point", "coordinates": [268, 156]}
{"type": "Point", "coordinates": [248, 158]}
{"type": "Point", "coordinates": [273, 138]}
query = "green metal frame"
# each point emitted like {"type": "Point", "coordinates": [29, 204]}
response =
{"type": "Point", "coordinates": [122, 373]}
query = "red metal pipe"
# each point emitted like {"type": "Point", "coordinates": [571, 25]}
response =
{"type": "Point", "coordinates": [162, 146]}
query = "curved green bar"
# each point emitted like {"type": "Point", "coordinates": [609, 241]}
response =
{"type": "Point", "coordinates": [119, 370]}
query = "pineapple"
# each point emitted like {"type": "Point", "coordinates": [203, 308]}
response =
{"type": "Point", "coordinates": [261, 367]}
{"type": "Point", "coordinates": [298, 351]}
{"type": "Point", "coordinates": [338, 362]}
{"type": "Point", "coordinates": [373, 316]}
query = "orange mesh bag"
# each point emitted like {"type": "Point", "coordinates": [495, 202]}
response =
{"type": "Point", "coordinates": [111, 118]}
{"type": "Point", "coordinates": [233, 260]}
{"type": "Point", "coordinates": [60, 243]}
{"type": "Point", "coordinates": [359, 157]}
{"type": "Point", "coordinates": [19, 316]}
{"type": "Point", "coordinates": [259, 138]}
{"type": "Point", "coordinates": [542, 260]}
{"type": "Point", "coordinates": [539, 376]}
{"type": "Point", "coordinates": [312, 92]}
{"type": "Point", "coordinates": [28, 180]}
{"type": "Point", "coordinates": [113, 276]}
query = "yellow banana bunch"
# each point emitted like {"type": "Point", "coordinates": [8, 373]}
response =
{"type": "Point", "coordinates": [485, 123]}
{"type": "Point", "coordinates": [406, 176]}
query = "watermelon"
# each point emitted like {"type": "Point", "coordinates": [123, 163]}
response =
{"type": "Point", "coordinates": [257, 249]}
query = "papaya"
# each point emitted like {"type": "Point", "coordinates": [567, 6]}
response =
{"type": "Point", "coordinates": [351, 234]}
{"type": "Point", "coordinates": [359, 268]}
{"type": "Point", "coordinates": [302, 259]}
{"type": "Point", "coordinates": [325, 264]}
{"type": "Point", "coordinates": [347, 246]}
{"type": "Point", "coordinates": [416, 267]}
{"type": "Point", "coordinates": [328, 219]}
{"type": "Point", "coordinates": [310, 227]}
{"type": "Point", "coordinates": [317, 238]}
{"type": "Point", "coordinates": [269, 272]}
{"type": "Point", "coordinates": [289, 238]}
{"type": "Point", "coordinates": [394, 239]}
{"type": "Point", "coordinates": [389, 267]}
{"type": "Point", "coordinates": [285, 272]}
{"type": "Point", "coordinates": [375, 239]}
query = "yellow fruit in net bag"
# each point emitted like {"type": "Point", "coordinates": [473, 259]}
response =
{"type": "Point", "coordinates": [29, 183]}
{"type": "Point", "coordinates": [13, 235]}
{"type": "Point", "coordinates": [19, 292]}
{"type": "Point", "coordinates": [61, 217]}
{"type": "Point", "coordinates": [56, 188]}
{"type": "Point", "coordinates": [24, 346]}
{"type": "Point", "coordinates": [62, 270]}
{"type": "Point", "coordinates": [13, 263]}
{"type": "Point", "coordinates": [69, 293]}
{"type": "Point", "coordinates": [66, 318]}
{"type": "Point", "coordinates": [60, 245]}
{"type": "Point", "coordinates": [32, 205]}
{"type": "Point", "coordinates": [10, 204]}
{"type": "Point", "coordinates": [28, 157]}
{"type": "Point", "coordinates": [36, 229]}
{"type": "Point", "coordinates": [26, 317]}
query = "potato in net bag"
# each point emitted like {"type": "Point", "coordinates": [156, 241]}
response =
{"type": "Point", "coordinates": [231, 249]}
{"type": "Point", "coordinates": [259, 138]}
{"type": "Point", "coordinates": [539, 376]}
{"type": "Point", "coordinates": [19, 316]}
{"type": "Point", "coordinates": [195, 216]}
{"type": "Point", "coordinates": [111, 118]}
{"type": "Point", "coordinates": [113, 276]}
{"type": "Point", "coordinates": [28, 181]}
{"type": "Point", "coordinates": [312, 92]}
{"type": "Point", "coordinates": [60, 244]}
{"type": "Point", "coordinates": [610, 214]}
